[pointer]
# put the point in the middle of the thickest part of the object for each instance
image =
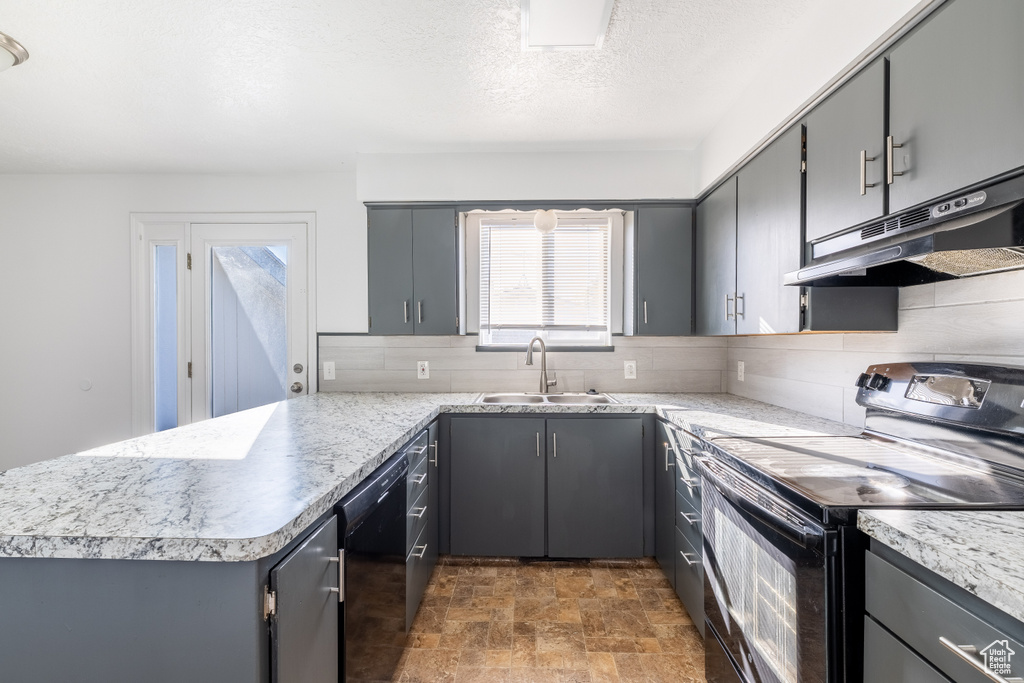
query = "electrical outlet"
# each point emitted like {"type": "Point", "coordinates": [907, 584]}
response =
{"type": "Point", "coordinates": [629, 366]}
{"type": "Point", "coordinates": [739, 370]}
{"type": "Point", "coordinates": [422, 369]}
{"type": "Point", "coordinates": [328, 369]}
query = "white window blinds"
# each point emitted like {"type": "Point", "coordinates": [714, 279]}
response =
{"type": "Point", "coordinates": [555, 284]}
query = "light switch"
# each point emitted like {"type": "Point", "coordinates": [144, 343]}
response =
{"type": "Point", "coordinates": [422, 369]}
{"type": "Point", "coordinates": [328, 369]}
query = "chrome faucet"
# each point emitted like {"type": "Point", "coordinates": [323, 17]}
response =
{"type": "Point", "coordinates": [544, 383]}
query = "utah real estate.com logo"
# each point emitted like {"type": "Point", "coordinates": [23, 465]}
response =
{"type": "Point", "coordinates": [997, 657]}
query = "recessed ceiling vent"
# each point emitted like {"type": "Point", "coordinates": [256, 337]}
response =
{"type": "Point", "coordinates": [565, 24]}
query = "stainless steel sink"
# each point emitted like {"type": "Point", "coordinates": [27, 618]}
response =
{"type": "Point", "coordinates": [561, 399]}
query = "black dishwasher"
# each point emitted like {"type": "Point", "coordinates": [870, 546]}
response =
{"type": "Point", "coordinates": [373, 541]}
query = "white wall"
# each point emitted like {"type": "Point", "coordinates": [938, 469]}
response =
{"type": "Point", "coordinates": [789, 78]}
{"type": "Point", "coordinates": [979, 319]}
{"type": "Point", "coordinates": [65, 298]}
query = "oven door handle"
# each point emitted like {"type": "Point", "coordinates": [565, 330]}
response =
{"type": "Point", "coordinates": [807, 538]}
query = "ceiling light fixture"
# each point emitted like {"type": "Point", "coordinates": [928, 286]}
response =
{"type": "Point", "coordinates": [12, 53]}
{"type": "Point", "coordinates": [565, 24]}
{"type": "Point", "coordinates": [545, 221]}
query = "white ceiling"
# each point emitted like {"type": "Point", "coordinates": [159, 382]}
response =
{"type": "Point", "coordinates": [304, 85]}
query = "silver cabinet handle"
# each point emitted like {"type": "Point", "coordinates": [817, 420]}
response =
{"type": "Point", "coordinates": [554, 445]}
{"type": "Point", "coordinates": [728, 315]}
{"type": "Point", "coordinates": [691, 484]}
{"type": "Point", "coordinates": [433, 461]}
{"type": "Point", "coordinates": [693, 522]}
{"type": "Point", "coordinates": [864, 184]}
{"type": "Point", "coordinates": [419, 479]}
{"type": "Point", "coordinates": [405, 311]}
{"type": "Point", "coordinates": [686, 558]}
{"type": "Point", "coordinates": [667, 450]}
{"type": "Point", "coordinates": [538, 444]}
{"type": "Point", "coordinates": [968, 653]}
{"type": "Point", "coordinates": [890, 145]}
{"type": "Point", "coordinates": [423, 551]}
{"type": "Point", "coordinates": [340, 590]}
{"type": "Point", "coordinates": [645, 311]}
{"type": "Point", "coordinates": [419, 311]}
{"type": "Point", "coordinates": [419, 515]}
{"type": "Point", "coordinates": [743, 313]}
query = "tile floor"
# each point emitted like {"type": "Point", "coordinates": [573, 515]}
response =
{"type": "Point", "coordinates": [559, 622]}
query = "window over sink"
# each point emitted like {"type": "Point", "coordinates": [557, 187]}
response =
{"type": "Point", "coordinates": [564, 286]}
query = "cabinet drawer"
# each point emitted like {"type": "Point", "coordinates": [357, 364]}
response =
{"type": "Point", "coordinates": [416, 450]}
{"type": "Point", "coordinates": [419, 565]}
{"type": "Point", "coordinates": [690, 580]}
{"type": "Point", "coordinates": [920, 615]}
{"type": "Point", "coordinates": [417, 482]}
{"type": "Point", "coordinates": [416, 517]}
{"type": "Point", "coordinates": [688, 485]}
{"type": "Point", "coordinates": [688, 521]}
{"type": "Point", "coordinates": [887, 659]}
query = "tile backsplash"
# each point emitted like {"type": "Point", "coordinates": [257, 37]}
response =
{"type": "Point", "coordinates": [978, 319]}
{"type": "Point", "coordinates": [664, 364]}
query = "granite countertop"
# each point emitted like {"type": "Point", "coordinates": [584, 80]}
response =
{"type": "Point", "coordinates": [980, 551]}
{"type": "Point", "coordinates": [241, 487]}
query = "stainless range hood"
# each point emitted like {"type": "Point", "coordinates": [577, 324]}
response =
{"type": "Point", "coordinates": [972, 233]}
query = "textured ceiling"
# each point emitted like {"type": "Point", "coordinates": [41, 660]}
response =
{"type": "Point", "coordinates": [265, 85]}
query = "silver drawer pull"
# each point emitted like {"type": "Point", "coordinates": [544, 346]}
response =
{"type": "Point", "coordinates": [668, 449]}
{"type": "Point", "coordinates": [686, 557]}
{"type": "Point", "coordinates": [422, 511]}
{"type": "Point", "coordinates": [864, 184]}
{"type": "Point", "coordinates": [419, 311]}
{"type": "Point", "coordinates": [696, 518]}
{"type": "Point", "coordinates": [405, 311]}
{"type": "Point", "coordinates": [340, 590]}
{"type": "Point", "coordinates": [890, 145]}
{"type": "Point", "coordinates": [554, 445]}
{"type": "Point", "coordinates": [690, 483]}
{"type": "Point", "coordinates": [423, 551]}
{"type": "Point", "coordinates": [419, 479]}
{"type": "Point", "coordinates": [433, 461]}
{"type": "Point", "coordinates": [968, 653]}
{"type": "Point", "coordinates": [538, 444]}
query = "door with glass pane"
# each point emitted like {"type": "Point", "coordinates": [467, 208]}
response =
{"type": "Point", "coordinates": [248, 316]}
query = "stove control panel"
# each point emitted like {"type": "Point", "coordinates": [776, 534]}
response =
{"type": "Point", "coordinates": [946, 390]}
{"type": "Point", "coordinates": [874, 381]}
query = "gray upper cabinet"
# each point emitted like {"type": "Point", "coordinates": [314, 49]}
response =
{"type": "Point", "coordinates": [595, 487]}
{"type": "Point", "coordinates": [768, 243]}
{"type": "Point", "coordinates": [716, 261]}
{"type": "Point", "coordinates": [304, 634]}
{"type": "Point", "coordinates": [412, 271]}
{"type": "Point", "coordinates": [846, 155]}
{"type": "Point", "coordinates": [955, 100]}
{"type": "Point", "coordinates": [497, 486]}
{"type": "Point", "coordinates": [664, 258]}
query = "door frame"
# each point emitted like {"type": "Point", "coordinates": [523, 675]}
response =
{"type": "Point", "coordinates": [141, 309]}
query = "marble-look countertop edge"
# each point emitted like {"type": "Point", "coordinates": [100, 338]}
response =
{"type": "Point", "coordinates": [244, 549]}
{"type": "Point", "coordinates": [958, 550]}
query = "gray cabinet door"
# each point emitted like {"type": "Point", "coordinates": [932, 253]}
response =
{"type": "Point", "coordinates": [955, 100]}
{"type": "Point", "coordinates": [304, 633]}
{"type": "Point", "coordinates": [849, 122]}
{"type": "Point", "coordinates": [497, 486]}
{"type": "Point", "coordinates": [595, 487]}
{"type": "Point", "coordinates": [389, 247]}
{"type": "Point", "coordinates": [768, 242]}
{"type": "Point", "coordinates": [433, 493]}
{"type": "Point", "coordinates": [716, 261]}
{"type": "Point", "coordinates": [664, 263]}
{"type": "Point", "coordinates": [664, 503]}
{"type": "Point", "coordinates": [434, 267]}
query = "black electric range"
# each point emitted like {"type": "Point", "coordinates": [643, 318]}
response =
{"type": "Point", "coordinates": [783, 559]}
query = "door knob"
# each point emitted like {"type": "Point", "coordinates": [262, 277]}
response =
{"type": "Point", "coordinates": [297, 388]}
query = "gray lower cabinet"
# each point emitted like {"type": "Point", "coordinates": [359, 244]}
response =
{"type": "Point", "coordinates": [497, 469]}
{"type": "Point", "coordinates": [304, 632]}
{"type": "Point", "coordinates": [923, 628]}
{"type": "Point", "coordinates": [421, 519]}
{"type": "Point", "coordinates": [715, 265]}
{"type": "Point", "coordinates": [664, 270]}
{"type": "Point", "coordinates": [664, 503]}
{"type": "Point", "coordinates": [955, 100]}
{"type": "Point", "coordinates": [532, 487]}
{"type": "Point", "coordinates": [846, 155]}
{"type": "Point", "coordinates": [595, 487]}
{"type": "Point", "coordinates": [413, 266]}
